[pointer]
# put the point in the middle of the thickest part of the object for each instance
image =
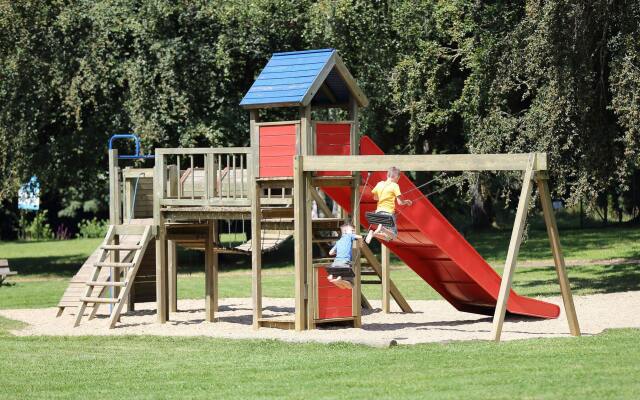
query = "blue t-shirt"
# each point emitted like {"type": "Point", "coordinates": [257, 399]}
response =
{"type": "Point", "coordinates": [343, 247]}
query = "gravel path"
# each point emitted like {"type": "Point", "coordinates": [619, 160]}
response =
{"type": "Point", "coordinates": [433, 321]}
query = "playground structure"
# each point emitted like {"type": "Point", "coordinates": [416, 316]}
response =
{"type": "Point", "coordinates": [275, 183]}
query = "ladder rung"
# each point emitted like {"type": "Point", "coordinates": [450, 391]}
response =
{"type": "Point", "coordinates": [120, 247]}
{"type": "Point", "coordinates": [371, 282]}
{"type": "Point", "coordinates": [98, 300]}
{"type": "Point", "coordinates": [105, 283]}
{"type": "Point", "coordinates": [368, 272]}
{"type": "Point", "coordinates": [115, 264]}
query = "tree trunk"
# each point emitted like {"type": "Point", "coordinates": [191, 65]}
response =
{"type": "Point", "coordinates": [482, 215]}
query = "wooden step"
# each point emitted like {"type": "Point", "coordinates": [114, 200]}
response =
{"type": "Point", "coordinates": [124, 247]}
{"type": "Point", "coordinates": [325, 240]}
{"type": "Point", "coordinates": [368, 272]}
{"type": "Point", "coordinates": [115, 264]}
{"type": "Point", "coordinates": [106, 283]}
{"type": "Point", "coordinates": [371, 282]}
{"type": "Point", "coordinates": [98, 300]}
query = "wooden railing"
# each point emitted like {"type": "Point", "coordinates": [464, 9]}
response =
{"type": "Point", "coordinates": [201, 177]}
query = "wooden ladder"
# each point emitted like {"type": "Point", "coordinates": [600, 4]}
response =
{"type": "Point", "coordinates": [127, 268]}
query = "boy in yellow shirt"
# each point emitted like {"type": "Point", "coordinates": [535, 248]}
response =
{"type": "Point", "coordinates": [387, 194]}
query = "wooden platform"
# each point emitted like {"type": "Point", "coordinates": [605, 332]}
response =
{"type": "Point", "coordinates": [286, 323]}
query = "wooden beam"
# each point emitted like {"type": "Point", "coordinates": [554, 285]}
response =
{"type": "Point", "coordinates": [306, 140]}
{"type": "Point", "coordinates": [255, 144]}
{"type": "Point", "coordinates": [308, 239]}
{"type": "Point", "coordinates": [211, 301]}
{"type": "Point", "coordinates": [395, 293]}
{"type": "Point", "coordinates": [299, 237]}
{"type": "Point", "coordinates": [386, 279]}
{"type": "Point", "coordinates": [512, 253]}
{"type": "Point", "coordinates": [438, 162]}
{"type": "Point", "coordinates": [172, 266]}
{"type": "Point", "coordinates": [558, 257]}
{"type": "Point", "coordinates": [332, 181]}
{"type": "Point", "coordinates": [256, 256]}
{"type": "Point", "coordinates": [319, 80]}
{"type": "Point", "coordinates": [322, 205]}
{"type": "Point", "coordinates": [114, 188]}
{"type": "Point", "coordinates": [327, 92]}
{"type": "Point", "coordinates": [161, 274]}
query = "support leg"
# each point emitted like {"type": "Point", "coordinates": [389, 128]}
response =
{"type": "Point", "coordinates": [172, 266]}
{"type": "Point", "coordinates": [558, 257]}
{"type": "Point", "coordinates": [308, 240]}
{"type": "Point", "coordinates": [161, 275]}
{"type": "Point", "coordinates": [512, 254]}
{"type": "Point", "coordinates": [256, 256]}
{"type": "Point", "coordinates": [386, 280]}
{"type": "Point", "coordinates": [299, 236]}
{"type": "Point", "coordinates": [211, 271]}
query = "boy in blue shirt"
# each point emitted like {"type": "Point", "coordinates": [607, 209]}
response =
{"type": "Point", "coordinates": [340, 272]}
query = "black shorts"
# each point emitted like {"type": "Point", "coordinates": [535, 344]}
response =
{"type": "Point", "coordinates": [341, 269]}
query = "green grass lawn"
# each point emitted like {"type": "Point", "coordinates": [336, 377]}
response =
{"type": "Point", "coordinates": [603, 366]}
{"type": "Point", "coordinates": [45, 268]}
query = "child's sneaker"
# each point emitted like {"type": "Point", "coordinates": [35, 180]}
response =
{"type": "Point", "coordinates": [369, 237]}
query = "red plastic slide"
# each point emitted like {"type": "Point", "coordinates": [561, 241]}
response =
{"type": "Point", "coordinates": [433, 248]}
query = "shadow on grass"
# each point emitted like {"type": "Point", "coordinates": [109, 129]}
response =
{"type": "Point", "coordinates": [588, 280]}
{"type": "Point", "coordinates": [65, 266]}
{"type": "Point", "coordinates": [492, 244]}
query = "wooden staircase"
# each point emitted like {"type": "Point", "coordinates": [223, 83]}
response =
{"type": "Point", "coordinates": [126, 268]}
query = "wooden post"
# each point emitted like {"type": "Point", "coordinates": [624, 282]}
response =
{"type": "Point", "coordinates": [514, 248]}
{"type": "Point", "coordinates": [355, 202]}
{"type": "Point", "coordinates": [306, 138]}
{"type": "Point", "coordinates": [386, 279]}
{"type": "Point", "coordinates": [211, 273]}
{"type": "Point", "coordinates": [115, 218]}
{"type": "Point", "coordinates": [114, 188]}
{"type": "Point", "coordinates": [256, 254]}
{"type": "Point", "coordinates": [308, 240]}
{"type": "Point", "coordinates": [161, 275]}
{"type": "Point", "coordinates": [172, 273]}
{"type": "Point", "coordinates": [256, 219]}
{"type": "Point", "coordinates": [556, 249]}
{"type": "Point", "coordinates": [159, 183]}
{"type": "Point", "coordinates": [300, 245]}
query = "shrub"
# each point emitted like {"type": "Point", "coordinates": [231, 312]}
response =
{"type": "Point", "coordinates": [92, 228]}
{"type": "Point", "coordinates": [36, 229]}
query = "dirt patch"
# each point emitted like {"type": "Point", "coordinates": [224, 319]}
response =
{"type": "Point", "coordinates": [433, 321]}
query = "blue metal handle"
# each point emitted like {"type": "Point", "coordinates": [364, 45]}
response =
{"type": "Point", "coordinates": [135, 137]}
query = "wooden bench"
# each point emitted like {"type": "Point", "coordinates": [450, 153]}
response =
{"type": "Point", "coordinates": [5, 271]}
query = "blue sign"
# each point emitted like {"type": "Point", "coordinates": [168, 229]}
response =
{"type": "Point", "coordinates": [29, 195]}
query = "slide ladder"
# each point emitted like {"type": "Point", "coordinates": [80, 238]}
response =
{"type": "Point", "coordinates": [126, 268]}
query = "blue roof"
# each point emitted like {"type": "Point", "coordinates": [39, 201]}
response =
{"type": "Point", "coordinates": [291, 78]}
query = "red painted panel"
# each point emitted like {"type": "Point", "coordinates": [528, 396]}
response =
{"type": "Point", "coordinates": [283, 140]}
{"type": "Point", "coordinates": [334, 312]}
{"type": "Point", "coordinates": [324, 149]}
{"type": "Point", "coordinates": [333, 302]}
{"type": "Point", "coordinates": [333, 139]}
{"type": "Point", "coordinates": [277, 148]}
{"type": "Point", "coordinates": [277, 151]}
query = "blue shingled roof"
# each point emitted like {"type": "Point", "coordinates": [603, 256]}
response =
{"type": "Point", "coordinates": [289, 77]}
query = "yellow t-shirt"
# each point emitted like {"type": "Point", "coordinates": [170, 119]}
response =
{"type": "Point", "coordinates": [387, 191]}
